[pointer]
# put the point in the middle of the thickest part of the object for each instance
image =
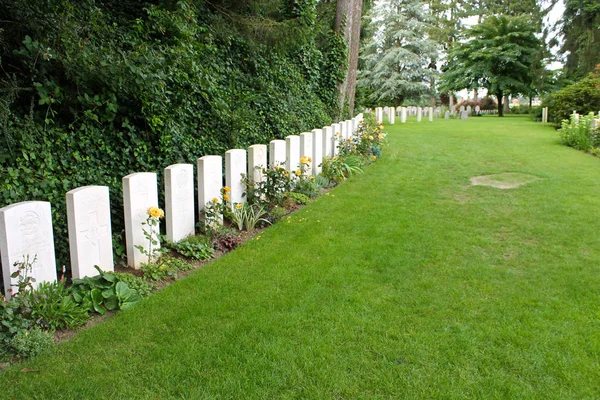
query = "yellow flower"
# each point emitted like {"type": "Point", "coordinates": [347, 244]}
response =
{"type": "Point", "coordinates": [309, 159]}
{"type": "Point", "coordinates": [226, 189]}
{"type": "Point", "coordinates": [155, 212]}
{"type": "Point", "coordinates": [360, 122]}
{"type": "Point", "coordinates": [354, 146]}
{"type": "Point", "coordinates": [312, 178]}
{"type": "Point", "coordinates": [298, 172]}
{"type": "Point", "coordinates": [374, 157]}
{"type": "Point", "coordinates": [381, 127]}
{"type": "Point", "coordinates": [370, 137]}
{"type": "Point", "coordinates": [380, 136]}
{"type": "Point", "coordinates": [238, 206]}
{"type": "Point", "coordinates": [215, 200]}
{"type": "Point", "coordinates": [226, 197]}
{"type": "Point", "coordinates": [303, 160]}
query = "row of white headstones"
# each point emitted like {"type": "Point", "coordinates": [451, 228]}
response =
{"type": "Point", "coordinates": [26, 228]}
{"type": "Point", "coordinates": [420, 112]}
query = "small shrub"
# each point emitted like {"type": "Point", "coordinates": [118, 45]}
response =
{"type": "Point", "coordinates": [53, 308]}
{"type": "Point", "coordinates": [269, 192]}
{"type": "Point", "coordinates": [15, 318]}
{"type": "Point", "coordinates": [31, 343]}
{"type": "Point", "coordinates": [582, 96]}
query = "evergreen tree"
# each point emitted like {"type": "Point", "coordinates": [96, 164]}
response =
{"type": "Point", "coordinates": [399, 61]}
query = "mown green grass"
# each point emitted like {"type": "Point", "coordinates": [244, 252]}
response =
{"type": "Point", "coordinates": [405, 282]}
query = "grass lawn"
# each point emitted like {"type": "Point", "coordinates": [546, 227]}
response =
{"type": "Point", "coordinates": [404, 282]}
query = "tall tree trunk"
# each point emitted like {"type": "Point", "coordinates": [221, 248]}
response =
{"type": "Point", "coordinates": [506, 104]}
{"type": "Point", "coordinates": [350, 13]}
{"type": "Point", "coordinates": [500, 96]}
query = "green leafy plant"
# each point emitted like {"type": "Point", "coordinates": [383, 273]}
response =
{"type": "Point", "coordinates": [339, 168]}
{"type": "Point", "coordinates": [30, 343]}
{"type": "Point", "coordinates": [140, 285]}
{"type": "Point", "coordinates": [297, 198]}
{"type": "Point", "coordinates": [53, 308]}
{"type": "Point", "coordinates": [103, 292]}
{"type": "Point", "coordinates": [577, 132]}
{"type": "Point", "coordinates": [197, 247]}
{"type": "Point", "coordinates": [166, 267]}
{"type": "Point", "coordinates": [247, 216]}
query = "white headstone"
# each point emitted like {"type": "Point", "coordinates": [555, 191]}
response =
{"type": "Point", "coordinates": [392, 116]}
{"type": "Point", "coordinates": [26, 232]}
{"type": "Point", "coordinates": [464, 114]}
{"type": "Point", "coordinates": [179, 201]}
{"type": "Point", "coordinates": [343, 130]}
{"type": "Point", "coordinates": [335, 140]}
{"type": "Point", "coordinates": [469, 109]}
{"type": "Point", "coordinates": [210, 182]}
{"type": "Point", "coordinates": [461, 109]}
{"type": "Point", "coordinates": [419, 114]}
{"type": "Point", "coordinates": [477, 109]}
{"type": "Point", "coordinates": [430, 114]}
{"type": "Point", "coordinates": [306, 148]}
{"type": "Point", "coordinates": [403, 113]}
{"type": "Point", "coordinates": [90, 234]}
{"type": "Point", "coordinates": [327, 141]}
{"type": "Point", "coordinates": [257, 160]}
{"type": "Point", "coordinates": [317, 142]}
{"type": "Point", "coordinates": [447, 115]}
{"type": "Point", "coordinates": [349, 132]}
{"type": "Point", "coordinates": [292, 150]}
{"type": "Point", "coordinates": [235, 169]}
{"type": "Point", "coordinates": [139, 194]}
{"type": "Point", "coordinates": [277, 153]}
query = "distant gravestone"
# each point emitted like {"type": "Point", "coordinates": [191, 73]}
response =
{"type": "Point", "coordinates": [461, 109]}
{"type": "Point", "coordinates": [469, 109]}
{"type": "Point", "coordinates": [306, 148]}
{"type": "Point", "coordinates": [317, 142]}
{"type": "Point", "coordinates": [392, 117]}
{"type": "Point", "coordinates": [179, 201]}
{"type": "Point", "coordinates": [26, 234]}
{"type": "Point", "coordinates": [257, 160]}
{"type": "Point", "coordinates": [464, 114]}
{"type": "Point", "coordinates": [477, 109]}
{"type": "Point", "coordinates": [210, 182]}
{"type": "Point", "coordinates": [403, 113]}
{"type": "Point", "coordinates": [277, 152]}
{"type": "Point", "coordinates": [90, 234]}
{"type": "Point", "coordinates": [235, 169]}
{"type": "Point", "coordinates": [139, 194]}
{"type": "Point", "coordinates": [447, 115]}
{"type": "Point", "coordinates": [292, 152]}
{"type": "Point", "coordinates": [430, 114]}
{"type": "Point", "coordinates": [419, 114]}
{"type": "Point", "coordinates": [327, 141]}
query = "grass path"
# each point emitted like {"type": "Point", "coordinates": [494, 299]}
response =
{"type": "Point", "coordinates": [405, 282]}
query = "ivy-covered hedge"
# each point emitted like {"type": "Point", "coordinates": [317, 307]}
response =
{"type": "Point", "coordinates": [91, 91]}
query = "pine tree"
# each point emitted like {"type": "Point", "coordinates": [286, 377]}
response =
{"type": "Point", "coordinates": [399, 62]}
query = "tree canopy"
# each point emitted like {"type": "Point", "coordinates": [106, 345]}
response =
{"type": "Point", "coordinates": [500, 55]}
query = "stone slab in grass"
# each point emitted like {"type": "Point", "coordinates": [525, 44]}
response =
{"type": "Point", "coordinates": [506, 180]}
